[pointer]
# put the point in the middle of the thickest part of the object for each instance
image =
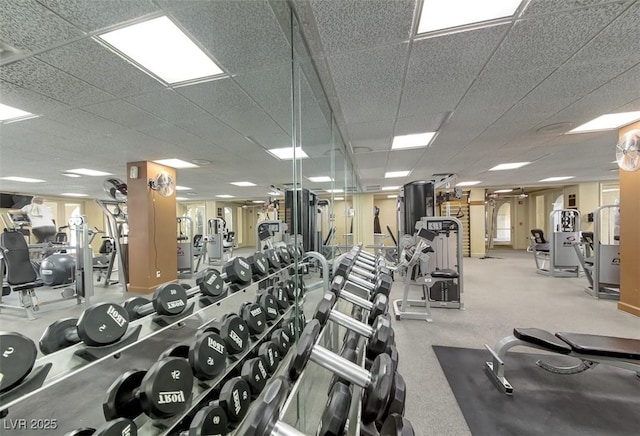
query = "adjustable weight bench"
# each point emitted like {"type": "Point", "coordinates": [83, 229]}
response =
{"type": "Point", "coordinates": [589, 349]}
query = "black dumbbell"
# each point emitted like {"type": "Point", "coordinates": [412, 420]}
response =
{"type": "Point", "coordinates": [236, 272]}
{"type": "Point", "coordinates": [270, 354]}
{"type": "Point", "coordinates": [254, 372]}
{"type": "Point", "coordinates": [368, 271]}
{"type": "Point", "coordinates": [269, 305]}
{"type": "Point", "coordinates": [116, 427]}
{"type": "Point", "coordinates": [336, 411]}
{"type": "Point", "coordinates": [161, 392]}
{"type": "Point", "coordinates": [382, 284]}
{"type": "Point", "coordinates": [273, 257]}
{"type": "Point", "coordinates": [259, 265]}
{"type": "Point", "coordinates": [377, 382]}
{"type": "Point", "coordinates": [100, 324]}
{"type": "Point", "coordinates": [254, 316]}
{"type": "Point", "coordinates": [295, 288]}
{"type": "Point", "coordinates": [379, 305]}
{"type": "Point", "coordinates": [210, 420]}
{"type": "Point", "coordinates": [394, 425]}
{"type": "Point", "coordinates": [378, 334]}
{"type": "Point", "coordinates": [398, 398]}
{"type": "Point", "coordinates": [169, 299]}
{"type": "Point", "coordinates": [233, 331]}
{"type": "Point", "coordinates": [285, 257]}
{"type": "Point", "coordinates": [17, 357]}
{"type": "Point", "coordinates": [279, 292]}
{"type": "Point", "coordinates": [235, 398]}
{"type": "Point", "coordinates": [206, 354]}
{"type": "Point", "coordinates": [283, 339]}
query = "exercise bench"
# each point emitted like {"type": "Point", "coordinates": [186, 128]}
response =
{"type": "Point", "coordinates": [591, 350]}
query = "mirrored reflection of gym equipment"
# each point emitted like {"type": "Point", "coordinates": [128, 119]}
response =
{"type": "Point", "coordinates": [118, 231]}
{"type": "Point", "coordinates": [602, 270]}
{"type": "Point", "coordinates": [270, 233]}
{"type": "Point", "coordinates": [185, 246]}
{"type": "Point", "coordinates": [557, 258]}
{"type": "Point", "coordinates": [219, 242]}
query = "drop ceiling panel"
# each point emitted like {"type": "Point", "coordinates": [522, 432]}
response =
{"type": "Point", "coordinates": [536, 7]}
{"type": "Point", "coordinates": [242, 36]}
{"type": "Point", "coordinates": [356, 24]}
{"type": "Point", "coordinates": [176, 136]}
{"type": "Point", "coordinates": [121, 112]}
{"type": "Point", "coordinates": [28, 100]}
{"type": "Point", "coordinates": [167, 105]}
{"type": "Point", "coordinates": [266, 87]}
{"type": "Point", "coordinates": [27, 25]}
{"type": "Point", "coordinates": [51, 82]}
{"type": "Point", "coordinates": [441, 69]}
{"type": "Point", "coordinates": [93, 63]}
{"type": "Point", "coordinates": [405, 159]}
{"type": "Point", "coordinates": [420, 123]}
{"type": "Point", "coordinates": [227, 101]}
{"type": "Point", "coordinates": [550, 40]}
{"type": "Point", "coordinates": [86, 121]}
{"type": "Point", "coordinates": [368, 82]}
{"type": "Point", "coordinates": [371, 161]}
{"type": "Point", "coordinates": [97, 14]}
{"type": "Point", "coordinates": [214, 130]}
{"type": "Point", "coordinates": [375, 135]}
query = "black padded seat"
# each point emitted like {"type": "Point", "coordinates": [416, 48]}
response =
{"type": "Point", "coordinates": [445, 274]}
{"type": "Point", "coordinates": [607, 346]}
{"type": "Point", "coordinates": [589, 261]}
{"type": "Point", "coordinates": [542, 338]}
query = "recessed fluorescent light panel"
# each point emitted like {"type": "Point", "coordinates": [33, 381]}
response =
{"type": "Point", "coordinates": [181, 198]}
{"type": "Point", "coordinates": [275, 193]}
{"type": "Point", "coordinates": [439, 14]}
{"type": "Point", "coordinates": [412, 141]}
{"type": "Point", "coordinates": [335, 191]}
{"type": "Point", "coordinates": [392, 196]}
{"type": "Point", "coordinates": [342, 198]}
{"type": "Point", "coordinates": [395, 174]}
{"type": "Point", "coordinates": [159, 46]}
{"type": "Point", "coordinates": [22, 179]}
{"type": "Point", "coordinates": [509, 166]}
{"type": "Point", "coordinates": [556, 179]}
{"type": "Point", "coordinates": [183, 188]}
{"type": "Point", "coordinates": [73, 194]}
{"type": "Point", "coordinates": [225, 196]}
{"type": "Point", "coordinates": [390, 188]}
{"type": "Point", "coordinates": [611, 190]}
{"type": "Point", "coordinates": [73, 176]}
{"type": "Point", "coordinates": [320, 179]}
{"type": "Point", "coordinates": [176, 163]}
{"type": "Point", "coordinates": [473, 183]}
{"type": "Point", "coordinates": [88, 172]}
{"type": "Point", "coordinates": [243, 184]}
{"type": "Point", "coordinates": [259, 201]}
{"type": "Point", "coordinates": [11, 113]}
{"type": "Point", "coordinates": [502, 191]}
{"type": "Point", "coordinates": [608, 122]}
{"type": "Point", "coordinates": [286, 153]}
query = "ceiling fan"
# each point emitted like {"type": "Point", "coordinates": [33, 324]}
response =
{"type": "Point", "coordinates": [116, 189]}
{"type": "Point", "coordinates": [163, 184]}
{"type": "Point", "coordinates": [628, 151]}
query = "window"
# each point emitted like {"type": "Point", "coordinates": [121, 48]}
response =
{"type": "Point", "coordinates": [503, 224]}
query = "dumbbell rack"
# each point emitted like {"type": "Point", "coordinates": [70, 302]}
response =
{"type": "Point", "coordinates": [74, 388]}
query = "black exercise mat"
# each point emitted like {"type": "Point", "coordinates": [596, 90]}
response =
{"type": "Point", "coordinates": [600, 401]}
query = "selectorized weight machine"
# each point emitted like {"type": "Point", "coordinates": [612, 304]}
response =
{"type": "Point", "coordinates": [558, 258]}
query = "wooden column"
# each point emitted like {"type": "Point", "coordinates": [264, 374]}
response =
{"type": "Point", "coordinates": [629, 237]}
{"type": "Point", "coordinates": [152, 229]}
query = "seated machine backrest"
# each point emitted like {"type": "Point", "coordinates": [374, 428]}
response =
{"type": "Point", "coordinates": [538, 236]}
{"type": "Point", "coordinates": [16, 256]}
{"type": "Point", "coordinates": [197, 240]}
{"type": "Point", "coordinates": [587, 237]}
{"type": "Point", "coordinates": [231, 237]}
{"type": "Point", "coordinates": [106, 247]}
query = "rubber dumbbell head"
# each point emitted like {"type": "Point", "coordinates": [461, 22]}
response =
{"type": "Point", "coordinates": [376, 383]}
{"type": "Point", "coordinates": [336, 411]}
{"type": "Point", "coordinates": [275, 263]}
{"type": "Point", "coordinates": [100, 324]}
{"type": "Point", "coordinates": [270, 355]}
{"type": "Point", "coordinates": [206, 354]}
{"type": "Point", "coordinates": [210, 283]}
{"type": "Point", "coordinates": [379, 306]}
{"type": "Point", "coordinates": [235, 398]}
{"type": "Point", "coordinates": [210, 420]}
{"type": "Point", "coordinates": [18, 355]}
{"type": "Point", "coordinates": [116, 427]}
{"type": "Point", "coordinates": [233, 331]}
{"type": "Point", "coordinates": [259, 265]}
{"type": "Point", "coordinates": [162, 392]}
{"type": "Point", "coordinates": [269, 305]}
{"type": "Point", "coordinates": [254, 372]}
{"type": "Point", "coordinates": [254, 316]}
{"type": "Point", "coordinates": [168, 299]}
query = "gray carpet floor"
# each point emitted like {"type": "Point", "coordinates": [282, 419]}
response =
{"type": "Point", "coordinates": [500, 294]}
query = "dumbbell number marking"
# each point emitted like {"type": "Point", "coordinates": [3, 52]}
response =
{"type": "Point", "coordinates": [246, 267]}
{"type": "Point", "coordinates": [216, 420]}
{"type": "Point", "coordinates": [171, 397]}
{"type": "Point", "coordinates": [237, 339]}
{"type": "Point", "coordinates": [115, 315]}
{"type": "Point", "coordinates": [257, 312]}
{"type": "Point", "coordinates": [175, 303]}
{"type": "Point", "coordinates": [215, 345]}
{"type": "Point", "coordinates": [9, 351]}
{"type": "Point", "coordinates": [263, 371]}
{"type": "Point", "coordinates": [126, 431]}
{"type": "Point", "coordinates": [272, 359]}
{"type": "Point", "coordinates": [236, 400]}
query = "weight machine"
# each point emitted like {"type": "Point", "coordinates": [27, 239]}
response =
{"type": "Point", "coordinates": [118, 231]}
{"type": "Point", "coordinates": [603, 269]}
{"type": "Point", "coordinates": [185, 246]}
{"type": "Point", "coordinates": [218, 241]}
{"type": "Point", "coordinates": [558, 258]}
